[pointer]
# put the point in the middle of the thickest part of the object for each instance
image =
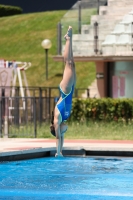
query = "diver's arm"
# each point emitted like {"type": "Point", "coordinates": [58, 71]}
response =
{"type": "Point", "coordinates": [58, 137]}
{"type": "Point", "coordinates": [63, 129]}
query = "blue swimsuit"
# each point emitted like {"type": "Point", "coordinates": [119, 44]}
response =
{"type": "Point", "coordinates": [65, 105]}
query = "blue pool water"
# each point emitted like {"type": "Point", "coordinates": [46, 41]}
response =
{"type": "Point", "coordinates": [74, 178]}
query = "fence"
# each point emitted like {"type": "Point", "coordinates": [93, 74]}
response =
{"type": "Point", "coordinates": [25, 116]}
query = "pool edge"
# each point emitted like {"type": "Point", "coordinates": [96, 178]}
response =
{"type": "Point", "coordinates": [50, 152]}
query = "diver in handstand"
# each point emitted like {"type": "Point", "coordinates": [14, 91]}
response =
{"type": "Point", "coordinates": [63, 107]}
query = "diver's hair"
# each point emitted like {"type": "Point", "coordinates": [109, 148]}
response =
{"type": "Point", "coordinates": [52, 118]}
{"type": "Point", "coordinates": [52, 128]}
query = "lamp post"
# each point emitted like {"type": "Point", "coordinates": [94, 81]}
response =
{"type": "Point", "coordinates": [46, 44]}
{"type": "Point", "coordinates": [98, 7]}
{"type": "Point", "coordinates": [79, 16]}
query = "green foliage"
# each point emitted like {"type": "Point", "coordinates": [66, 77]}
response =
{"type": "Point", "coordinates": [78, 110]}
{"type": "Point", "coordinates": [107, 110]}
{"type": "Point", "coordinates": [9, 10]}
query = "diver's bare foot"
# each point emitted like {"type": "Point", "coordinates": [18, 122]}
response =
{"type": "Point", "coordinates": [69, 33]}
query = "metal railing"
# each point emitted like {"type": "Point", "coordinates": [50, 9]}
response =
{"type": "Point", "coordinates": [79, 17]}
{"type": "Point", "coordinates": [23, 116]}
{"type": "Point", "coordinates": [9, 91]}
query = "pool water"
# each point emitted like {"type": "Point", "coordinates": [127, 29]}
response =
{"type": "Point", "coordinates": [74, 178]}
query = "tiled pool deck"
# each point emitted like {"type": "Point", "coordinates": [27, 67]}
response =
{"type": "Point", "coordinates": [15, 149]}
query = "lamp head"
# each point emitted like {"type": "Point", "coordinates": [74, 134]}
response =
{"type": "Point", "coordinates": [46, 44]}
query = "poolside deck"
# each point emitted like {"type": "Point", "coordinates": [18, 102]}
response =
{"type": "Point", "coordinates": [16, 149]}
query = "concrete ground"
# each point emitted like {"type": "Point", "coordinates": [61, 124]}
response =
{"type": "Point", "coordinates": [14, 147]}
{"type": "Point", "coordinates": [10, 145]}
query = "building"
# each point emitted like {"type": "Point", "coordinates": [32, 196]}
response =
{"type": "Point", "coordinates": [107, 40]}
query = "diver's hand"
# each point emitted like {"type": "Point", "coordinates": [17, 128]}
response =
{"type": "Point", "coordinates": [58, 155]}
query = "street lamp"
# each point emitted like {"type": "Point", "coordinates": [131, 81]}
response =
{"type": "Point", "coordinates": [46, 44]}
{"type": "Point", "coordinates": [79, 16]}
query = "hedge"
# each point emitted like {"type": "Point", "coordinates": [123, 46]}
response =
{"type": "Point", "coordinates": [107, 109]}
{"type": "Point", "coordinates": [9, 10]}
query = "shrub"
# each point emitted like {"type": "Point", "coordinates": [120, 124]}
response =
{"type": "Point", "coordinates": [104, 109]}
{"type": "Point", "coordinates": [9, 10]}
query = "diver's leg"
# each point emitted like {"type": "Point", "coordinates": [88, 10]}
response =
{"type": "Point", "coordinates": [68, 75]}
{"type": "Point", "coordinates": [62, 142]}
{"type": "Point", "coordinates": [71, 54]}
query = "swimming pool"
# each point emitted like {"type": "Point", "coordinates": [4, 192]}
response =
{"type": "Point", "coordinates": [76, 178]}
